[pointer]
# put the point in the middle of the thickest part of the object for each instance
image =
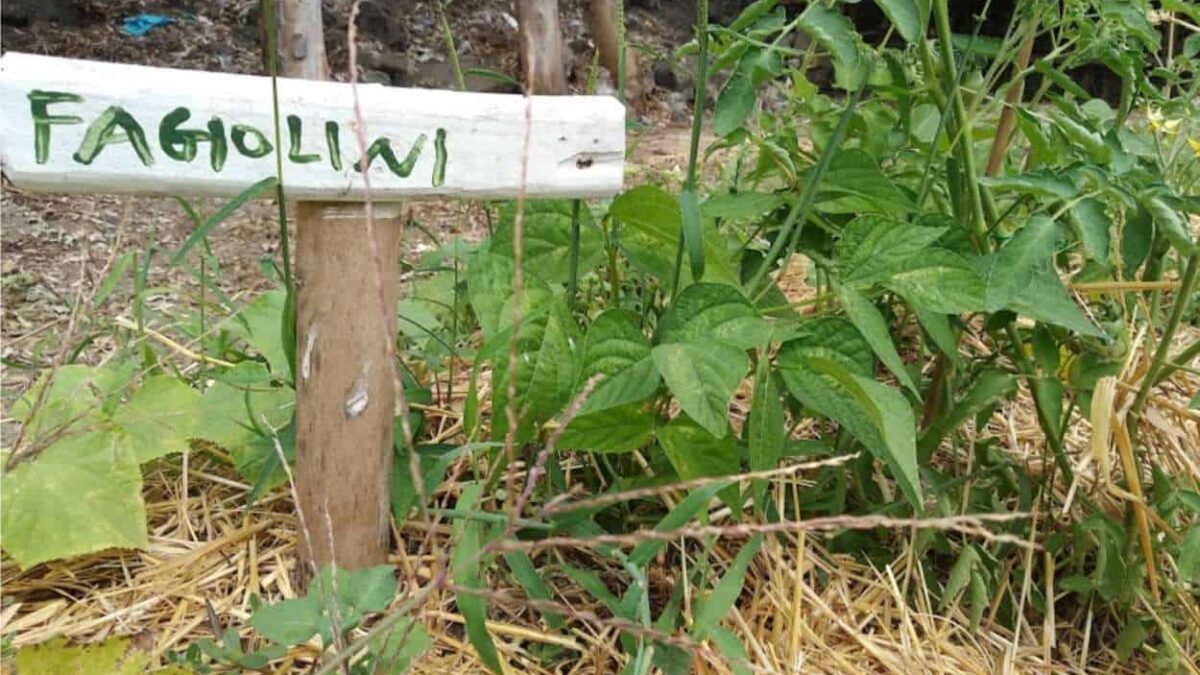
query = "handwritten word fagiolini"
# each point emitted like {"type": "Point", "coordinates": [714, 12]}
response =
{"type": "Point", "coordinates": [181, 142]}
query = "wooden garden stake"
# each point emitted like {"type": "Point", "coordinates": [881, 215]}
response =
{"type": "Point", "coordinates": [345, 397]}
{"type": "Point", "coordinates": [70, 125]}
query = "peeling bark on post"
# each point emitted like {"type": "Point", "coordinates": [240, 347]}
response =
{"type": "Point", "coordinates": [345, 398]}
{"type": "Point", "coordinates": [541, 46]}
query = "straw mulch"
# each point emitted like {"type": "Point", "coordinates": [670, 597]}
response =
{"type": "Point", "coordinates": [803, 608]}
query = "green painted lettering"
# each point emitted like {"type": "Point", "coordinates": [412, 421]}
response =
{"type": "Point", "coordinates": [333, 140]}
{"type": "Point", "coordinates": [383, 147]}
{"type": "Point", "coordinates": [261, 147]}
{"type": "Point", "coordinates": [39, 101]}
{"type": "Point", "coordinates": [439, 157]}
{"type": "Point", "coordinates": [294, 140]}
{"type": "Point", "coordinates": [181, 144]}
{"type": "Point", "coordinates": [104, 131]}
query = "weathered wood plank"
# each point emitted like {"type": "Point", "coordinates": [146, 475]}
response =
{"type": "Point", "coordinates": [85, 126]}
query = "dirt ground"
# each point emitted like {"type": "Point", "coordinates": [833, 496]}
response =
{"type": "Point", "coordinates": [55, 249]}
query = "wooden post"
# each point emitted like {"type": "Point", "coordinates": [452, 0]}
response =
{"type": "Point", "coordinates": [345, 396]}
{"type": "Point", "coordinates": [602, 23]}
{"type": "Point", "coordinates": [541, 46]}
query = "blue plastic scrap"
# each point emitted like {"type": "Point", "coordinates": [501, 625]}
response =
{"type": "Point", "coordinates": [139, 25]}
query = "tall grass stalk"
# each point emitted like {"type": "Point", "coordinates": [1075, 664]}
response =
{"type": "Point", "coordinates": [700, 92]}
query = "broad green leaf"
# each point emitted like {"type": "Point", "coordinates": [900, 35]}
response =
{"type": "Point", "coordinates": [394, 652]}
{"type": "Point", "coordinates": [76, 400]}
{"type": "Point", "coordinates": [289, 622]}
{"type": "Point", "coordinates": [1172, 225]}
{"type": "Point", "coordinates": [1082, 137]}
{"type": "Point", "coordinates": [1137, 235]}
{"type": "Point", "coordinates": [713, 607]}
{"type": "Point", "coordinates": [832, 338]}
{"type": "Point", "coordinates": [736, 100]}
{"type": "Point", "coordinates": [1130, 638]}
{"type": "Point", "coordinates": [926, 122]}
{"type": "Point", "coordinates": [990, 387]}
{"type": "Point", "coordinates": [466, 571]}
{"type": "Point", "coordinates": [1132, 18]}
{"type": "Point", "coordinates": [258, 323]}
{"type": "Point", "coordinates": [960, 576]}
{"type": "Point", "coordinates": [614, 342]}
{"type": "Point", "coordinates": [702, 376]}
{"type": "Point", "coordinates": [874, 329]}
{"type": "Point", "coordinates": [938, 327]}
{"type": "Point", "coordinates": [556, 366]}
{"type": "Point", "coordinates": [906, 16]}
{"type": "Point", "coordinates": [368, 590]}
{"type": "Point", "coordinates": [419, 320]}
{"type": "Point", "coordinates": [228, 413]}
{"type": "Point", "coordinates": [651, 225]}
{"type": "Point", "coordinates": [489, 286]}
{"type": "Point", "coordinates": [619, 429]}
{"type": "Point", "coordinates": [835, 32]}
{"type": "Point", "coordinates": [853, 183]}
{"type": "Point", "coordinates": [765, 432]}
{"type": "Point", "coordinates": [1189, 556]}
{"type": "Point", "coordinates": [80, 495]}
{"type": "Point", "coordinates": [872, 248]}
{"type": "Point", "coordinates": [877, 415]}
{"type": "Point", "coordinates": [1022, 277]}
{"type": "Point", "coordinates": [1043, 185]}
{"type": "Point", "coordinates": [705, 311]}
{"type": "Point", "coordinates": [634, 384]}
{"type": "Point", "coordinates": [741, 206]}
{"type": "Point", "coordinates": [941, 281]}
{"type": "Point", "coordinates": [694, 452]}
{"type": "Point", "coordinates": [649, 209]}
{"type": "Point", "coordinates": [547, 239]}
{"type": "Point", "coordinates": [55, 657]}
{"type": "Point", "coordinates": [1093, 227]}
{"type": "Point", "coordinates": [751, 14]}
{"type": "Point", "coordinates": [159, 418]}
{"type": "Point", "coordinates": [547, 365]}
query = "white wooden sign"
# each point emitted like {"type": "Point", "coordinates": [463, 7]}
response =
{"type": "Point", "coordinates": [83, 126]}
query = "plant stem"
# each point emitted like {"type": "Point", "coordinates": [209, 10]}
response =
{"type": "Point", "coordinates": [954, 95]}
{"type": "Point", "coordinates": [697, 123]}
{"type": "Point", "coordinates": [451, 50]}
{"type": "Point", "coordinates": [1179, 362]}
{"type": "Point", "coordinates": [799, 212]}
{"type": "Point", "coordinates": [1186, 288]}
{"type": "Point", "coordinates": [573, 279]}
{"type": "Point", "coordinates": [1012, 99]}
